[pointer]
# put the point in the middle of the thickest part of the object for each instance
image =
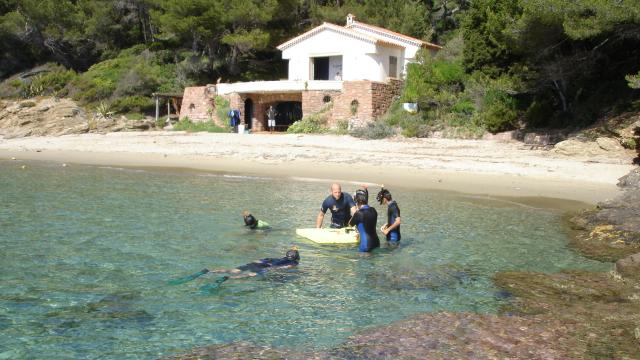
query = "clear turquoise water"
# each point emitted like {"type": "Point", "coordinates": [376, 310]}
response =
{"type": "Point", "coordinates": [86, 252]}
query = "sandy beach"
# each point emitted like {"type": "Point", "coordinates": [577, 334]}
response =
{"type": "Point", "coordinates": [480, 167]}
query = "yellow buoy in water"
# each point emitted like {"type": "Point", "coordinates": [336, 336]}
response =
{"type": "Point", "coordinates": [64, 165]}
{"type": "Point", "coordinates": [23, 167]}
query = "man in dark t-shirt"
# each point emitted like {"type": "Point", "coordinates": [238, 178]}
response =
{"type": "Point", "coordinates": [341, 205]}
{"type": "Point", "coordinates": [392, 228]}
{"type": "Point", "coordinates": [365, 220]}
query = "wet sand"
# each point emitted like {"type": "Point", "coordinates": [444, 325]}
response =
{"type": "Point", "coordinates": [482, 168]}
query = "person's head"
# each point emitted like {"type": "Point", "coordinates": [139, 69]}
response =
{"type": "Point", "coordinates": [361, 197]}
{"type": "Point", "coordinates": [383, 195]}
{"type": "Point", "coordinates": [293, 254]}
{"type": "Point", "coordinates": [336, 191]}
{"type": "Point", "coordinates": [246, 213]}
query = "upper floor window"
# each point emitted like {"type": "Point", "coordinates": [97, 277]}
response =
{"type": "Point", "coordinates": [393, 66]}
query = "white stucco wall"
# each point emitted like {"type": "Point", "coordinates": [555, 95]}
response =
{"type": "Point", "coordinates": [358, 56]}
{"type": "Point", "coordinates": [383, 59]}
{"type": "Point", "coordinates": [409, 53]}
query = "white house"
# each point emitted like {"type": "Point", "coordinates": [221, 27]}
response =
{"type": "Point", "coordinates": [356, 51]}
{"type": "Point", "coordinates": [358, 68]}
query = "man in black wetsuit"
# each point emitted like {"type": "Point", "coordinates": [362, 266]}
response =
{"type": "Point", "coordinates": [392, 228]}
{"type": "Point", "coordinates": [341, 205]}
{"type": "Point", "coordinates": [365, 220]}
{"type": "Point", "coordinates": [258, 267]}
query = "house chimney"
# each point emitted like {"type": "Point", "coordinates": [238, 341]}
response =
{"type": "Point", "coordinates": [350, 19]}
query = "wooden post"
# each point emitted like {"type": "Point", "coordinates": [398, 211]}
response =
{"type": "Point", "coordinates": [157, 108]}
{"type": "Point", "coordinates": [168, 111]}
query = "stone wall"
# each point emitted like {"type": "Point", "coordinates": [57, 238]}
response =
{"type": "Point", "coordinates": [359, 102]}
{"type": "Point", "coordinates": [197, 104]}
{"type": "Point", "coordinates": [383, 95]}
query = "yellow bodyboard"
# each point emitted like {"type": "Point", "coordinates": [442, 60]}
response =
{"type": "Point", "coordinates": [330, 236]}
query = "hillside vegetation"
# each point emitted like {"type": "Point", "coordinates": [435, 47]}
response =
{"type": "Point", "coordinates": [506, 64]}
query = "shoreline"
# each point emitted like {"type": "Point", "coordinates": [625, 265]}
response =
{"type": "Point", "coordinates": [483, 169]}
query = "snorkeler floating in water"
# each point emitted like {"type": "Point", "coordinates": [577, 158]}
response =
{"type": "Point", "coordinates": [258, 267]}
{"type": "Point", "coordinates": [253, 223]}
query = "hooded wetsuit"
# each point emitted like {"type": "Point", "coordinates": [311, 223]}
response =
{"type": "Point", "coordinates": [261, 266]}
{"type": "Point", "coordinates": [393, 212]}
{"type": "Point", "coordinates": [365, 220]}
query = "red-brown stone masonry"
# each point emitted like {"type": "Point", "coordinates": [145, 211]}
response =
{"type": "Point", "coordinates": [373, 100]}
{"type": "Point", "coordinates": [196, 105]}
{"type": "Point", "coordinates": [313, 100]}
{"type": "Point", "coordinates": [383, 95]}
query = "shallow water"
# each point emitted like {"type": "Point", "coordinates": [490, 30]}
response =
{"type": "Point", "coordinates": [87, 252]}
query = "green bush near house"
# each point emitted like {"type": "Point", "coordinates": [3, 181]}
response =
{"type": "Point", "coordinates": [312, 124]}
{"type": "Point", "coordinates": [132, 104]}
{"type": "Point", "coordinates": [186, 124]}
{"type": "Point", "coordinates": [222, 107]}
{"type": "Point", "coordinates": [134, 116]}
{"type": "Point", "coordinates": [373, 130]}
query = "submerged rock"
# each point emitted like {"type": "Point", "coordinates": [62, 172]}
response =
{"type": "Point", "coordinates": [629, 267]}
{"type": "Point", "coordinates": [603, 312]}
{"type": "Point", "coordinates": [612, 230]}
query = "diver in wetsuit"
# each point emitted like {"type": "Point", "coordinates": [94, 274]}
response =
{"type": "Point", "coordinates": [365, 220]}
{"type": "Point", "coordinates": [253, 223]}
{"type": "Point", "coordinates": [392, 228]}
{"type": "Point", "coordinates": [340, 204]}
{"type": "Point", "coordinates": [259, 267]}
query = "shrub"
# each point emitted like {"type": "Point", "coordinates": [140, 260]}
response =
{"type": "Point", "coordinates": [185, 124]}
{"type": "Point", "coordinates": [314, 123]}
{"type": "Point", "coordinates": [539, 113]}
{"type": "Point", "coordinates": [309, 125]}
{"type": "Point", "coordinates": [498, 116]}
{"type": "Point", "coordinates": [342, 127]}
{"type": "Point", "coordinates": [134, 72]}
{"type": "Point", "coordinates": [161, 122]}
{"type": "Point", "coordinates": [373, 130]}
{"type": "Point", "coordinates": [222, 108]}
{"type": "Point", "coordinates": [464, 106]}
{"type": "Point", "coordinates": [53, 82]}
{"type": "Point", "coordinates": [27, 104]}
{"type": "Point", "coordinates": [132, 104]}
{"type": "Point", "coordinates": [134, 116]}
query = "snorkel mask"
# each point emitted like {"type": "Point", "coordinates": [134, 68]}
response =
{"type": "Point", "coordinates": [383, 194]}
{"type": "Point", "coordinates": [293, 254]}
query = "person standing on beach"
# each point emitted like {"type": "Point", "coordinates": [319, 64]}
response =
{"type": "Point", "coordinates": [271, 118]}
{"type": "Point", "coordinates": [365, 220]}
{"type": "Point", "coordinates": [341, 205]}
{"type": "Point", "coordinates": [392, 228]}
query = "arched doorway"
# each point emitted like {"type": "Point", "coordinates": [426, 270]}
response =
{"type": "Point", "coordinates": [248, 113]}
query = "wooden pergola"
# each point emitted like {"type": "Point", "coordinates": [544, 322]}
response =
{"type": "Point", "coordinates": [171, 98]}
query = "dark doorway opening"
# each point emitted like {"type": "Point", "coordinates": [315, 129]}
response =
{"type": "Point", "coordinates": [288, 112]}
{"type": "Point", "coordinates": [248, 113]}
{"type": "Point", "coordinates": [321, 68]}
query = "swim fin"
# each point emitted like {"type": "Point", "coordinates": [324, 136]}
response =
{"type": "Point", "coordinates": [188, 278]}
{"type": "Point", "coordinates": [210, 288]}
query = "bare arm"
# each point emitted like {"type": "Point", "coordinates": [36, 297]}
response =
{"type": "Point", "coordinates": [386, 229]}
{"type": "Point", "coordinates": [319, 219]}
{"type": "Point", "coordinates": [353, 210]}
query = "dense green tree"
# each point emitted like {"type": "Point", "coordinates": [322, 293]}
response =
{"type": "Point", "coordinates": [486, 40]}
